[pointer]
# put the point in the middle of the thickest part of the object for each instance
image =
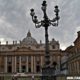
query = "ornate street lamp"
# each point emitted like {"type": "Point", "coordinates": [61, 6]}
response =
{"type": "Point", "coordinates": [46, 22]}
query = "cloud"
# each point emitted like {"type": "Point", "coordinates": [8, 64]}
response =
{"type": "Point", "coordinates": [2, 40]}
{"type": "Point", "coordinates": [15, 20]}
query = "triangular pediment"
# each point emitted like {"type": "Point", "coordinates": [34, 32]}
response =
{"type": "Point", "coordinates": [24, 49]}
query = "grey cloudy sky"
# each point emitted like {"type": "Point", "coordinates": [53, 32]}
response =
{"type": "Point", "coordinates": [15, 20]}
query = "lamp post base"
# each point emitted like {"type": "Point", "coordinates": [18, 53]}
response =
{"type": "Point", "coordinates": [48, 73]}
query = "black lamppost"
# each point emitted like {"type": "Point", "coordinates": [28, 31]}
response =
{"type": "Point", "coordinates": [46, 22]}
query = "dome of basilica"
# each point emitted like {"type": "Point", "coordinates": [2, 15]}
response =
{"type": "Point", "coordinates": [29, 40]}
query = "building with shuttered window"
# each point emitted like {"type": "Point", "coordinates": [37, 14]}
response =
{"type": "Point", "coordinates": [73, 53]}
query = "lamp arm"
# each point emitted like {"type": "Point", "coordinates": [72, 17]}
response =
{"type": "Point", "coordinates": [54, 24]}
{"type": "Point", "coordinates": [53, 20]}
{"type": "Point", "coordinates": [38, 24]}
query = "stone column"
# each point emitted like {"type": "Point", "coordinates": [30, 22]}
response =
{"type": "Point", "coordinates": [27, 64]}
{"type": "Point", "coordinates": [15, 63]}
{"type": "Point", "coordinates": [20, 64]}
{"type": "Point", "coordinates": [32, 64]}
{"type": "Point", "coordinates": [77, 66]}
{"type": "Point", "coordinates": [51, 58]}
{"type": "Point", "coordinates": [13, 66]}
{"type": "Point", "coordinates": [41, 62]}
{"type": "Point", "coordinates": [5, 64]}
{"type": "Point", "coordinates": [59, 62]}
{"type": "Point", "coordinates": [70, 68]}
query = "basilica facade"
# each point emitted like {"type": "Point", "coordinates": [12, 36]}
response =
{"type": "Point", "coordinates": [26, 58]}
